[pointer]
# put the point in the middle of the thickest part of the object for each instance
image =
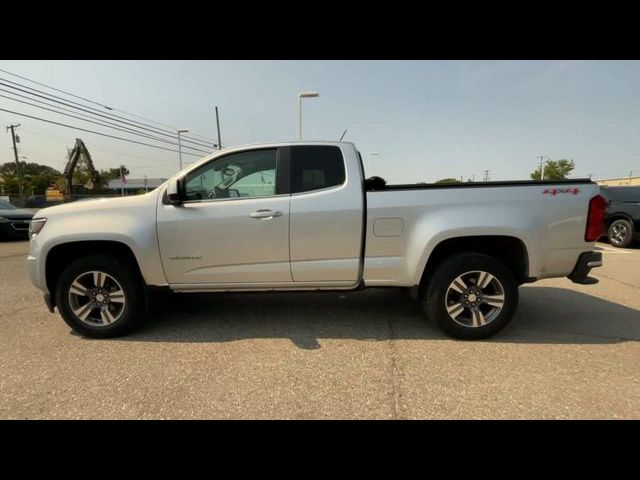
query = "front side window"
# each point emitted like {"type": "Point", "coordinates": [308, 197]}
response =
{"type": "Point", "coordinates": [315, 167]}
{"type": "Point", "coordinates": [243, 174]}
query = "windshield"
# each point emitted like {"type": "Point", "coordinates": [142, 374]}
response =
{"type": "Point", "coordinates": [4, 205]}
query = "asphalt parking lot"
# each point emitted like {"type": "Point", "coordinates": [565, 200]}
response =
{"type": "Point", "coordinates": [571, 351]}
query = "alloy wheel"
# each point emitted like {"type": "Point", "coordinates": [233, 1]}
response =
{"type": "Point", "coordinates": [96, 298]}
{"type": "Point", "coordinates": [619, 233]}
{"type": "Point", "coordinates": [474, 299]}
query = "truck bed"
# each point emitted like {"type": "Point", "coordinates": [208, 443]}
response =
{"type": "Point", "coordinates": [373, 187]}
{"type": "Point", "coordinates": [548, 217]}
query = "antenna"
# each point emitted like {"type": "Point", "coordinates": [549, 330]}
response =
{"type": "Point", "coordinates": [343, 133]}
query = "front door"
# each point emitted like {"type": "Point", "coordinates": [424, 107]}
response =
{"type": "Point", "coordinates": [234, 226]}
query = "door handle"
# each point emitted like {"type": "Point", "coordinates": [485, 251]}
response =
{"type": "Point", "coordinates": [265, 214]}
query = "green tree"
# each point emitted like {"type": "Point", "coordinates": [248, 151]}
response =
{"type": "Point", "coordinates": [448, 180]}
{"type": "Point", "coordinates": [112, 173]}
{"type": "Point", "coordinates": [40, 183]}
{"type": "Point", "coordinates": [35, 177]}
{"type": "Point", "coordinates": [10, 184]}
{"type": "Point", "coordinates": [555, 170]}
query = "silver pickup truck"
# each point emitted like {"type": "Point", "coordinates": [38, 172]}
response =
{"type": "Point", "coordinates": [301, 216]}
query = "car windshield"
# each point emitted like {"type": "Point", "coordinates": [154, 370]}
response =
{"type": "Point", "coordinates": [623, 194]}
{"type": "Point", "coordinates": [4, 205]}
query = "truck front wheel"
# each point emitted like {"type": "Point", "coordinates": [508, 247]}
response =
{"type": "Point", "coordinates": [100, 296]}
{"type": "Point", "coordinates": [471, 296]}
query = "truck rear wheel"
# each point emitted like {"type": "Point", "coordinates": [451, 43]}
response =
{"type": "Point", "coordinates": [471, 296]}
{"type": "Point", "coordinates": [620, 233]}
{"type": "Point", "coordinates": [100, 296]}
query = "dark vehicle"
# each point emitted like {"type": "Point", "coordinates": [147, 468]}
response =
{"type": "Point", "coordinates": [622, 214]}
{"type": "Point", "coordinates": [13, 221]}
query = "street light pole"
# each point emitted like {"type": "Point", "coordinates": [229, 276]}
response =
{"type": "Point", "coordinates": [180, 146]}
{"type": "Point", "coordinates": [541, 157]}
{"type": "Point", "coordinates": [218, 125]}
{"type": "Point", "coordinates": [300, 97]}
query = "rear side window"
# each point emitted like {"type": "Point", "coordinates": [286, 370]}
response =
{"type": "Point", "coordinates": [315, 167]}
{"type": "Point", "coordinates": [622, 194]}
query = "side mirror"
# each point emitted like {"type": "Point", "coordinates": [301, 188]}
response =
{"type": "Point", "coordinates": [176, 192]}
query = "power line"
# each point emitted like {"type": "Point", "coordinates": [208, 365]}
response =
{"type": "Point", "coordinates": [105, 124]}
{"type": "Point", "coordinates": [98, 103]}
{"type": "Point", "coordinates": [153, 130]}
{"type": "Point", "coordinates": [74, 111]}
{"type": "Point", "coordinates": [157, 163]}
{"type": "Point", "coordinates": [619, 173]}
{"type": "Point", "coordinates": [93, 111]}
{"type": "Point", "coordinates": [97, 133]}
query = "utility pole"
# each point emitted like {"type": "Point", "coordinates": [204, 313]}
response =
{"type": "Point", "coordinates": [15, 153]}
{"type": "Point", "coordinates": [180, 147]}
{"type": "Point", "coordinates": [486, 175]}
{"type": "Point", "coordinates": [218, 125]}
{"type": "Point", "coordinates": [122, 180]}
{"type": "Point", "coordinates": [541, 168]}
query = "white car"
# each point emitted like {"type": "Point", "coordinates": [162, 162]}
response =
{"type": "Point", "coordinates": [300, 216]}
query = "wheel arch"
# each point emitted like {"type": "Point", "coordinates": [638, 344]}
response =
{"type": "Point", "coordinates": [62, 254]}
{"type": "Point", "coordinates": [511, 251]}
{"type": "Point", "coordinates": [618, 216]}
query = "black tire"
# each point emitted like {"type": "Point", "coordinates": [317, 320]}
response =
{"type": "Point", "coordinates": [130, 282]}
{"type": "Point", "coordinates": [618, 239]}
{"type": "Point", "coordinates": [434, 296]}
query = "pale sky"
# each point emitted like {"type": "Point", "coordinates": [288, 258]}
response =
{"type": "Point", "coordinates": [427, 119]}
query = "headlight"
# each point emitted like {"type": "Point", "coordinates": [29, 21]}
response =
{"type": "Point", "coordinates": [36, 226]}
{"type": "Point", "coordinates": [3, 220]}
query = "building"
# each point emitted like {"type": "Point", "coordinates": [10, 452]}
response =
{"type": "Point", "coordinates": [133, 186]}
{"type": "Point", "coordinates": [617, 182]}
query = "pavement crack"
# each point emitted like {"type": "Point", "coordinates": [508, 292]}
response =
{"type": "Point", "coordinates": [581, 334]}
{"type": "Point", "coordinates": [394, 371]}
{"type": "Point", "coordinates": [618, 281]}
{"type": "Point", "coordinates": [6, 314]}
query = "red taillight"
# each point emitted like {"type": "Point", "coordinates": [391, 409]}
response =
{"type": "Point", "coordinates": [595, 219]}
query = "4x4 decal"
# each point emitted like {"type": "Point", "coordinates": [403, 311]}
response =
{"type": "Point", "coordinates": [555, 191]}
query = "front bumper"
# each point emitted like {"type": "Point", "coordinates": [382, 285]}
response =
{"type": "Point", "coordinates": [33, 269]}
{"type": "Point", "coordinates": [586, 261]}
